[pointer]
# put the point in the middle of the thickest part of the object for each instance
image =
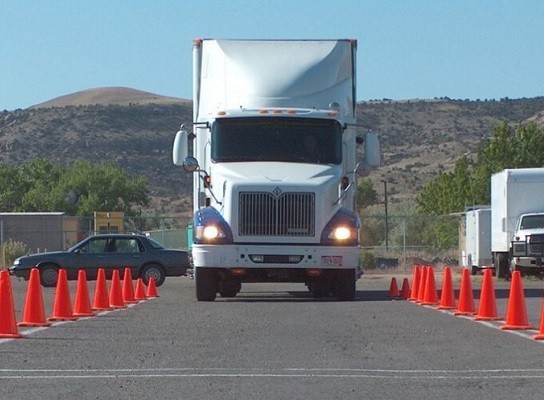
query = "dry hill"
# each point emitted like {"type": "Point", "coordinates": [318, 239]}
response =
{"type": "Point", "coordinates": [135, 129]}
{"type": "Point", "coordinates": [120, 96]}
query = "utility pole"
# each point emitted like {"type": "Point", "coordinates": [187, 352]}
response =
{"type": "Point", "coordinates": [386, 217]}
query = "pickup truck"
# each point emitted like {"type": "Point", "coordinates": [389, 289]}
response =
{"type": "Point", "coordinates": [527, 246]}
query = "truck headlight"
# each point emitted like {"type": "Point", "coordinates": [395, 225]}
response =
{"type": "Point", "coordinates": [210, 232]}
{"type": "Point", "coordinates": [340, 233]}
{"type": "Point", "coordinates": [342, 229]}
{"type": "Point", "coordinates": [210, 227]}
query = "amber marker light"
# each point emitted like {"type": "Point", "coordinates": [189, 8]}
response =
{"type": "Point", "coordinates": [238, 271]}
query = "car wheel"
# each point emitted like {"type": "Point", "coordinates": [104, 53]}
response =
{"type": "Point", "coordinates": [155, 271]}
{"type": "Point", "coordinates": [48, 275]}
{"type": "Point", "coordinates": [502, 267]}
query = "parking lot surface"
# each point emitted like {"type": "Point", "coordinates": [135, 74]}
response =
{"type": "Point", "coordinates": [274, 341]}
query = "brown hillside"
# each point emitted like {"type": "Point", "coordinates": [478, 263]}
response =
{"type": "Point", "coordinates": [418, 138]}
{"type": "Point", "coordinates": [120, 96]}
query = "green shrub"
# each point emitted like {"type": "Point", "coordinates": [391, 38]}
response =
{"type": "Point", "coordinates": [367, 259]}
{"type": "Point", "coordinates": [11, 250]}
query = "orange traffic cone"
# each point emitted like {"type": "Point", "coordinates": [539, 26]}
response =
{"type": "Point", "coordinates": [516, 313]}
{"type": "Point", "coordinates": [139, 294]}
{"type": "Point", "coordinates": [465, 306]}
{"type": "Point", "coordinates": [393, 288]}
{"type": "Point", "coordinates": [447, 297]}
{"type": "Point", "coordinates": [405, 291]}
{"type": "Point", "coordinates": [101, 300]}
{"type": "Point", "coordinates": [415, 283]}
{"type": "Point", "coordinates": [128, 288]}
{"type": "Point", "coordinates": [82, 303]}
{"type": "Point", "coordinates": [540, 335]}
{"type": "Point", "coordinates": [151, 288]}
{"type": "Point", "coordinates": [487, 309]}
{"type": "Point", "coordinates": [116, 292]}
{"type": "Point", "coordinates": [422, 281]}
{"type": "Point", "coordinates": [62, 306]}
{"type": "Point", "coordinates": [430, 298]}
{"type": "Point", "coordinates": [34, 312]}
{"type": "Point", "coordinates": [8, 321]}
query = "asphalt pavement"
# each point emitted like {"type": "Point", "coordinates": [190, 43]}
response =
{"type": "Point", "coordinates": [274, 341]}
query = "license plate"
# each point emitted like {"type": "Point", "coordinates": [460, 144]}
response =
{"type": "Point", "coordinates": [331, 260]}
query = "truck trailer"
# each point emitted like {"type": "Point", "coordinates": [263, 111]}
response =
{"type": "Point", "coordinates": [477, 254]}
{"type": "Point", "coordinates": [517, 214]}
{"type": "Point", "coordinates": [274, 154]}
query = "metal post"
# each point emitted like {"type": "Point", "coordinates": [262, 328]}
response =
{"type": "Point", "coordinates": [404, 241]}
{"type": "Point", "coordinates": [386, 218]}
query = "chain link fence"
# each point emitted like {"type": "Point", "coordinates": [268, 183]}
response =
{"type": "Point", "coordinates": [403, 241]}
{"type": "Point", "coordinates": [392, 242]}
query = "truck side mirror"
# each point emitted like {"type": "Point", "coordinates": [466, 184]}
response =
{"type": "Point", "coordinates": [180, 149]}
{"type": "Point", "coordinates": [372, 156]}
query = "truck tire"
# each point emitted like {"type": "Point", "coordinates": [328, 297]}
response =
{"type": "Point", "coordinates": [229, 288]}
{"type": "Point", "coordinates": [206, 282]}
{"type": "Point", "coordinates": [502, 266]}
{"type": "Point", "coordinates": [344, 285]}
{"type": "Point", "coordinates": [320, 290]}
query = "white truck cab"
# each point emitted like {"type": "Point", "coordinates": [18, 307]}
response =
{"type": "Point", "coordinates": [275, 159]}
{"type": "Point", "coordinates": [529, 233]}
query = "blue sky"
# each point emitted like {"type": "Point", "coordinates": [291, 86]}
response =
{"type": "Point", "coordinates": [406, 49]}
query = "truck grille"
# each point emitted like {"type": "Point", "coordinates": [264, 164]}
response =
{"type": "Point", "coordinates": [289, 214]}
{"type": "Point", "coordinates": [536, 244]}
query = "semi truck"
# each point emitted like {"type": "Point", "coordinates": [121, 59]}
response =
{"type": "Point", "coordinates": [517, 220]}
{"type": "Point", "coordinates": [275, 150]}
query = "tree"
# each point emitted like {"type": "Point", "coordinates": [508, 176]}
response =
{"type": "Point", "coordinates": [469, 183]}
{"type": "Point", "coordinates": [10, 193]}
{"type": "Point", "coordinates": [366, 195]}
{"type": "Point", "coordinates": [38, 179]}
{"type": "Point", "coordinates": [79, 189]}
{"type": "Point", "coordinates": [86, 188]}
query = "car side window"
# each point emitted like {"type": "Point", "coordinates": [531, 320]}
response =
{"type": "Point", "coordinates": [126, 245]}
{"type": "Point", "coordinates": [94, 246]}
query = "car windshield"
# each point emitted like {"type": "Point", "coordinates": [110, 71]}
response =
{"type": "Point", "coordinates": [288, 139]}
{"type": "Point", "coordinates": [532, 222]}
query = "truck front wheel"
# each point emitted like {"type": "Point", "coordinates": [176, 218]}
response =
{"type": "Point", "coordinates": [229, 288]}
{"type": "Point", "coordinates": [206, 282]}
{"type": "Point", "coordinates": [344, 285]}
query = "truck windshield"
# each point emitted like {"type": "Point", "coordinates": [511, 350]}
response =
{"type": "Point", "coordinates": [532, 222]}
{"type": "Point", "coordinates": [287, 139]}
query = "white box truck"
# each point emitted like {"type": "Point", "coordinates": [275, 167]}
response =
{"type": "Point", "coordinates": [517, 214]}
{"type": "Point", "coordinates": [478, 238]}
{"type": "Point", "coordinates": [274, 157]}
